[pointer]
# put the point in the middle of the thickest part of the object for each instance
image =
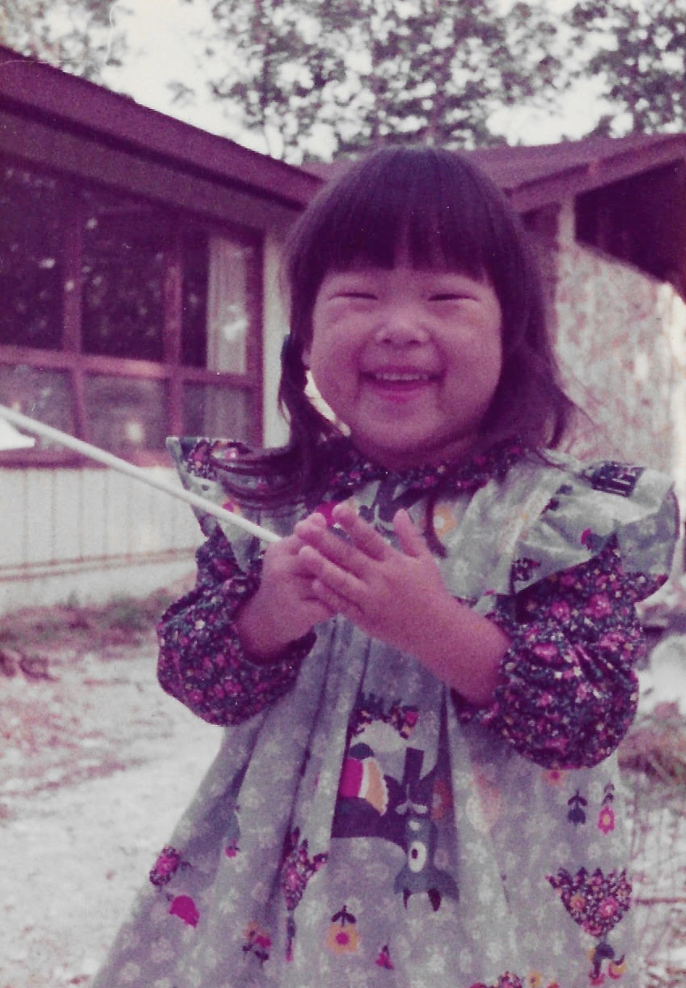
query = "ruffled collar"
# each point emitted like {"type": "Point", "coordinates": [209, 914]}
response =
{"type": "Point", "coordinates": [349, 469]}
{"type": "Point", "coordinates": [341, 469]}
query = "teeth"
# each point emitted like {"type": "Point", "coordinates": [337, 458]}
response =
{"type": "Point", "coordinates": [401, 376]}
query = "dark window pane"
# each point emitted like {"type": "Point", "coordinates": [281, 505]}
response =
{"type": "Point", "coordinates": [194, 317]}
{"type": "Point", "coordinates": [126, 415]}
{"type": "Point", "coordinates": [216, 410]}
{"type": "Point", "coordinates": [40, 394]}
{"type": "Point", "coordinates": [123, 270]}
{"type": "Point", "coordinates": [31, 265]}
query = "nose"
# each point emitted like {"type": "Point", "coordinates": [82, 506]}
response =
{"type": "Point", "coordinates": [400, 324]}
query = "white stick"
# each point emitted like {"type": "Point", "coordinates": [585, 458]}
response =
{"type": "Point", "coordinates": [101, 456]}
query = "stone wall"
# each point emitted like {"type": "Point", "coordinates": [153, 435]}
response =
{"type": "Point", "coordinates": [621, 339]}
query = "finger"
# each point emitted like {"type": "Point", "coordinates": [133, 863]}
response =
{"type": "Point", "coordinates": [306, 565]}
{"type": "Point", "coordinates": [329, 544]}
{"type": "Point", "coordinates": [308, 527]}
{"type": "Point", "coordinates": [304, 594]}
{"type": "Point", "coordinates": [335, 602]}
{"type": "Point", "coordinates": [410, 538]}
{"type": "Point", "coordinates": [319, 609]}
{"type": "Point", "coordinates": [363, 535]}
{"type": "Point", "coordinates": [341, 581]}
{"type": "Point", "coordinates": [288, 546]}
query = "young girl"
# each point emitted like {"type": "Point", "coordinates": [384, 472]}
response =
{"type": "Point", "coordinates": [423, 683]}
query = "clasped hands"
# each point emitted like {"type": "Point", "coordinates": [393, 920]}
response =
{"type": "Point", "coordinates": [395, 595]}
{"type": "Point", "coordinates": [315, 574]}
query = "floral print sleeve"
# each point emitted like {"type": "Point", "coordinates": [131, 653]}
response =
{"type": "Point", "coordinates": [201, 660]}
{"type": "Point", "coordinates": [568, 692]}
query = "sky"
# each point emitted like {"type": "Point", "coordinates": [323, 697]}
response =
{"type": "Point", "coordinates": [163, 45]}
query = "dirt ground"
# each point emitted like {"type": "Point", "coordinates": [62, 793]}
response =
{"type": "Point", "coordinates": [96, 765]}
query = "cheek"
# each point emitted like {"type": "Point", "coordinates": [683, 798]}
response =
{"type": "Point", "coordinates": [332, 355]}
{"type": "Point", "coordinates": [326, 365]}
{"type": "Point", "coordinates": [493, 347]}
{"type": "Point", "coordinates": [486, 371]}
{"type": "Point", "coordinates": [486, 357]}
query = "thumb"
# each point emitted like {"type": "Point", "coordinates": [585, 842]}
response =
{"type": "Point", "coordinates": [410, 538]}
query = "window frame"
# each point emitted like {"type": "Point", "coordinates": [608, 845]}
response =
{"type": "Point", "coordinates": [71, 359]}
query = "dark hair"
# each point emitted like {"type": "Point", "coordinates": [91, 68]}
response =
{"type": "Point", "coordinates": [446, 213]}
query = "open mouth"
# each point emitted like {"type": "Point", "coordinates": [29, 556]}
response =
{"type": "Point", "coordinates": [401, 377]}
{"type": "Point", "coordinates": [401, 384]}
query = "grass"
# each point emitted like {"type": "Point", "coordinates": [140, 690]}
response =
{"type": "Point", "coordinates": [656, 745]}
{"type": "Point", "coordinates": [123, 620]}
{"type": "Point", "coordinates": [653, 760]}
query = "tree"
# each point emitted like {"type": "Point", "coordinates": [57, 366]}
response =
{"type": "Point", "coordinates": [348, 73]}
{"type": "Point", "coordinates": [78, 36]}
{"type": "Point", "coordinates": [638, 47]}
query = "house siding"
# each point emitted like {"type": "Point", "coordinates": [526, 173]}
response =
{"type": "Point", "coordinates": [88, 534]}
{"type": "Point", "coordinates": [621, 339]}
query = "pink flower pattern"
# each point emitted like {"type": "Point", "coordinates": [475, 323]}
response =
{"type": "Point", "coordinates": [296, 871]}
{"type": "Point", "coordinates": [507, 980]}
{"type": "Point", "coordinates": [298, 868]}
{"type": "Point", "coordinates": [568, 691]}
{"type": "Point", "coordinates": [566, 695]}
{"type": "Point", "coordinates": [185, 908]}
{"type": "Point", "coordinates": [606, 820]}
{"type": "Point", "coordinates": [165, 867]}
{"type": "Point", "coordinates": [595, 901]}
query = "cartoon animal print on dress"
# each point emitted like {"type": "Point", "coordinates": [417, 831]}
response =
{"type": "Point", "coordinates": [420, 874]}
{"type": "Point", "coordinates": [199, 455]}
{"type": "Point", "coordinates": [371, 708]}
{"type": "Point", "coordinates": [406, 810]}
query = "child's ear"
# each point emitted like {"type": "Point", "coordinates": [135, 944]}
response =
{"type": "Point", "coordinates": [306, 358]}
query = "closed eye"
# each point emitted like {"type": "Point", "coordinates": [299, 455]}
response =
{"type": "Point", "coordinates": [448, 297]}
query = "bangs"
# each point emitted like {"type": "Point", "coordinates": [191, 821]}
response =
{"type": "Point", "coordinates": [433, 209]}
{"type": "Point", "coordinates": [405, 202]}
{"type": "Point", "coordinates": [427, 205]}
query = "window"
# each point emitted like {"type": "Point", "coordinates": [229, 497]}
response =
{"type": "Point", "coordinates": [124, 250]}
{"type": "Point", "coordinates": [31, 274]}
{"type": "Point", "coordinates": [124, 321]}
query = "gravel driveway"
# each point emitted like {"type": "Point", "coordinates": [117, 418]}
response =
{"type": "Point", "coordinates": [96, 765]}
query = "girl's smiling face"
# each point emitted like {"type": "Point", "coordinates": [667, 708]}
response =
{"type": "Point", "coordinates": [409, 359]}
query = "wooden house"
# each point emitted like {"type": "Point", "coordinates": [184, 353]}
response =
{"type": "Point", "coordinates": [139, 263]}
{"type": "Point", "coordinates": [138, 278]}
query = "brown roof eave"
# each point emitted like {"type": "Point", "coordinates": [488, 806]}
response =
{"type": "Point", "coordinates": [602, 171]}
{"type": "Point", "coordinates": [31, 88]}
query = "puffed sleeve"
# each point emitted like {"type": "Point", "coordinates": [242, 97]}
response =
{"type": "Point", "coordinates": [568, 691]}
{"type": "Point", "coordinates": [201, 660]}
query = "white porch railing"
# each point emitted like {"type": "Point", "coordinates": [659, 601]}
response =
{"type": "Point", "coordinates": [91, 533]}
